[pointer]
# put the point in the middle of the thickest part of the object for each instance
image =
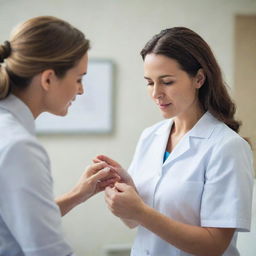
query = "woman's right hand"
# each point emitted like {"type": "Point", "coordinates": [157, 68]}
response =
{"type": "Point", "coordinates": [125, 177]}
{"type": "Point", "coordinates": [95, 179]}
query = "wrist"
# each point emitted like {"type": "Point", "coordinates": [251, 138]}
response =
{"type": "Point", "coordinates": [77, 197]}
{"type": "Point", "coordinates": [66, 202]}
{"type": "Point", "coordinates": [142, 213]}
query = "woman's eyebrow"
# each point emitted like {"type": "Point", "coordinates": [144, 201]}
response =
{"type": "Point", "coordinates": [163, 76]}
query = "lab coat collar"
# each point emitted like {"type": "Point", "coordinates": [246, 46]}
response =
{"type": "Point", "coordinates": [165, 128]}
{"type": "Point", "coordinates": [20, 110]}
{"type": "Point", "coordinates": [202, 129]}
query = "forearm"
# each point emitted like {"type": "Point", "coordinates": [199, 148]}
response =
{"type": "Point", "coordinates": [67, 202]}
{"type": "Point", "coordinates": [192, 239]}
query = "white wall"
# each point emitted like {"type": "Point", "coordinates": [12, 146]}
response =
{"type": "Point", "coordinates": [118, 29]}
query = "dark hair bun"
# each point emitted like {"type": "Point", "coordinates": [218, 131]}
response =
{"type": "Point", "coordinates": [5, 51]}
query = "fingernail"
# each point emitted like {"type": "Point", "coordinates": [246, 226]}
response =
{"type": "Point", "coordinates": [106, 169]}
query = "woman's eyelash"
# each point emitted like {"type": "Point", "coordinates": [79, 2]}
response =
{"type": "Point", "coordinates": [165, 83]}
{"type": "Point", "coordinates": [168, 83]}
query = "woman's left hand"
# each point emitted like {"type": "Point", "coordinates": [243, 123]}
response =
{"type": "Point", "coordinates": [124, 201]}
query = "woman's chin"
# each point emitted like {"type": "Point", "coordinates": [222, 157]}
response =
{"type": "Point", "coordinates": [167, 115]}
{"type": "Point", "coordinates": [63, 112]}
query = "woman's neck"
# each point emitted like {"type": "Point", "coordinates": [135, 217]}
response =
{"type": "Point", "coordinates": [185, 122]}
{"type": "Point", "coordinates": [31, 100]}
{"type": "Point", "coordinates": [181, 125]}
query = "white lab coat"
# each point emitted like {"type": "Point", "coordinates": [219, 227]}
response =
{"type": "Point", "coordinates": [206, 181]}
{"type": "Point", "coordinates": [30, 220]}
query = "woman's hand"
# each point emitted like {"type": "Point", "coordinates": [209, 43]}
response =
{"type": "Point", "coordinates": [124, 201]}
{"type": "Point", "coordinates": [125, 177]}
{"type": "Point", "coordinates": [95, 179]}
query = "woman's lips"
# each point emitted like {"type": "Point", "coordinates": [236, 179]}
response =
{"type": "Point", "coordinates": [164, 106]}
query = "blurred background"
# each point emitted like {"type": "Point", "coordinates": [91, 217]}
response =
{"type": "Point", "coordinates": [118, 29]}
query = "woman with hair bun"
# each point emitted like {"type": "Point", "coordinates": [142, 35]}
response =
{"type": "Point", "coordinates": [189, 187]}
{"type": "Point", "coordinates": [41, 71]}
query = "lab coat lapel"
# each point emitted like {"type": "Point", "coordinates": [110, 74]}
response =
{"type": "Point", "coordinates": [202, 130]}
{"type": "Point", "coordinates": [158, 146]}
{"type": "Point", "coordinates": [182, 147]}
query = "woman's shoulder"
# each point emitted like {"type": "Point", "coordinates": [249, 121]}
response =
{"type": "Point", "coordinates": [224, 136]}
{"type": "Point", "coordinates": [12, 131]}
{"type": "Point", "coordinates": [15, 137]}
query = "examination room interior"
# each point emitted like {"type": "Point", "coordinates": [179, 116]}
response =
{"type": "Point", "coordinates": [118, 29]}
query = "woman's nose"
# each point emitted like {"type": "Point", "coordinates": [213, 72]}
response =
{"type": "Point", "coordinates": [156, 93]}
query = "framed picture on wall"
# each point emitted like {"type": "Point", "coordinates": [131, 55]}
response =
{"type": "Point", "coordinates": [90, 112]}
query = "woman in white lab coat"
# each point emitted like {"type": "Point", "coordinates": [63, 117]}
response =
{"type": "Point", "coordinates": [190, 186]}
{"type": "Point", "coordinates": [41, 70]}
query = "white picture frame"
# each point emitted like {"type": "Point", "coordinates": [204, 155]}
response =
{"type": "Point", "coordinates": [90, 112]}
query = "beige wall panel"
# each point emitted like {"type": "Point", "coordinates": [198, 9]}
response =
{"type": "Point", "coordinates": [245, 75]}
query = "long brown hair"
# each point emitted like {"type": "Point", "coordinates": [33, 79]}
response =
{"type": "Point", "coordinates": [192, 53]}
{"type": "Point", "coordinates": [38, 44]}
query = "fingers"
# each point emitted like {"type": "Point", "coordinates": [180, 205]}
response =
{"type": "Point", "coordinates": [121, 187]}
{"type": "Point", "coordinates": [109, 192]}
{"type": "Point", "coordinates": [109, 195]}
{"type": "Point", "coordinates": [108, 182]}
{"type": "Point", "coordinates": [112, 175]}
{"type": "Point", "coordinates": [94, 168]}
{"type": "Point", "coordinates": [95, 160]}
{"type": "Point", "coordinates": [115, 201]}
{"type": "Point", "coordinates": [101, 174]}
{"type": "Point", "coordinates": [105, 177]}
{"type": "Point", "coordinates": [108, 160]}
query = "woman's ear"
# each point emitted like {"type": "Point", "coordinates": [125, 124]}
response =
{"type": "Point", "coordinates": [48, 77]}
{"type": "Point", "coordinates": [200, 78]}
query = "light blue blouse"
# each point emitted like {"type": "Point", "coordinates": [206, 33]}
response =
{"type": "Point", "coordinates": [166, 155]}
